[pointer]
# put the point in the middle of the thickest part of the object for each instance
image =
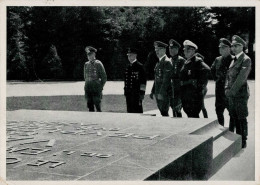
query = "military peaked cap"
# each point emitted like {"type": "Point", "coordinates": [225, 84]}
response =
{"type": "Point", "coordinates": [132, 50]}
{"type": "Point", "coordinates": [236, 40]}
{"type": "Point", "coordinates": [189, 43]}
{"type": "Point", "coordinates": [160, 44]}
{"type": "Point", "coordinates": [174, 43]}
{"type": "Point", "coordinates": [90, 49]}
{"type": "Point", "coordinates": [224, 42]}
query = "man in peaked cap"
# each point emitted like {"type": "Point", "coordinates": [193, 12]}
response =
{"type": "Point", "coordinates": [193, 80]}
{"type": "Point", "coordinates": [177, 63]}
{"type": "Point", "coordinates": [95, 79]}
{"type": "Point", "coordinates": [135, 83]}
{"type": "Point", "coordinates": [162, 78]}
{"type": "Point", "coordinates": [219, 70]}
{"type": "Point", "coordinates": [237, 90]}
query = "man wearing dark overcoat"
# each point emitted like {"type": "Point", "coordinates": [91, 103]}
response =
{"type": "Point", "coordinates": [162, 79]}
{"type": "Point", "coordinates": [219, 71]}
{"type": "Point", "coordinates": [95, 79]}
{"type": "Point", "coordinates": [177, 63]}
{"type": "Point", "coordinates": [237, 90]}
{"type": "Point", "coordinates": [193, 80]}
{"type": "Point", "coordinates": [135, 83]}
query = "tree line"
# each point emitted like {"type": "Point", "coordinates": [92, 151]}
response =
{"type": "Point", "coordinates": [48, 42]}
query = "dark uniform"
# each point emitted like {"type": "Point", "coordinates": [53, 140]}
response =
{"type": "Point", "coordinates": [204, 92]}
{"type": "Point", "coordinates": [162, 82]}
{"type": "Point", "coordinates": [194, 78]}
{"type": "Point", "coordinates": [135, 85]}
{"type": "Point", "coordinates": [95, 79]}
{"type": "Point", "coordinates": [219, 71]}
{"type": "Point", "coordinates": [237, 91]}
{"type": "Point", "coordinates": [177, 63]}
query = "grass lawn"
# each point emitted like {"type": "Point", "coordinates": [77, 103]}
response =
{"type": "Point", "coordinates": [110, 103]}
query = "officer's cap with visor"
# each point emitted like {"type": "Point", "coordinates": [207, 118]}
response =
{"type": "Point", "coordinates": [90, 49]}
{"type": "Point", "coordinates": [132, 51]}
{"type": "Point", "coordinates": [236, 40]}
{"type": "Point", "coordinates": [160, 44]}
{"type": "Point", "coordinates": [224, 43]}
{"type": "Point", "coordinates": [190, 44]}
{"type": "Point", "coordinates": [174, 44]}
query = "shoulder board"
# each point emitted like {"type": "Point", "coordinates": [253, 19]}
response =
{"type": "Point", "coordinates": [139, 63]}
{"type": "Point", "coordinates": [219, 58]}
{"type": "Point", "coordinates": [198, 59]}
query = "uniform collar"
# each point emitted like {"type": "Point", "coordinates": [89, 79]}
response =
{"type": "Point", "coordinates": [175, 56]}
{"type": "Point", "coordinates": [239, 54]}
{"type": "Point", "coordinates": [189, 60]}
{"type": "Point", "coordinates": [192, 57]}
{"type": "Point", "coordinates": [162, 57]}
{"type": "Point", "coordinates": [228, 56]}
{"type": "Point", "coordinates": [133, 62]}
{"type": "Point", "coordinates": [92, 61]}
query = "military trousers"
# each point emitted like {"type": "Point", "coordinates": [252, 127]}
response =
{"type": "Point", "coordinates": [221, 104]}
{"type": "Point", "coordinates": [133, 103]}
{"type": "Point", "coordinates": [176, 106]}
{"type": "Point", "coordinates": [93, 100]}
{"type": "Point", "coordinates": [238, 112]}
{"type": "Point", "coordinates": [163, 106]}
{"type": "Point", "coordinates": [192, 107]}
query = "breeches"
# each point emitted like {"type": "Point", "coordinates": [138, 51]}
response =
{"type": "Point", "coordinates": [163, 106]}
{"type": "Point", "coordinates": [93, 99]}
{"type": "Point", "coordinates": [192, 107]}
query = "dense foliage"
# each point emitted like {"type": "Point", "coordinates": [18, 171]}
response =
{"type": "Point", "coordinates": [49, 42]}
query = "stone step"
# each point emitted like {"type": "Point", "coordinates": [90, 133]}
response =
{"type": "Point", "coordinates": [224, 148]}
{"type": "Point", "coordinates": [213, 129]}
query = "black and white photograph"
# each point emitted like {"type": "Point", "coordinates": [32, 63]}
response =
{"type": "Point", "coordinates": [129, 91]}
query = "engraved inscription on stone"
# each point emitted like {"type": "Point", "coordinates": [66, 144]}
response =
{"type": "Point", "coordinates": [13, 160]}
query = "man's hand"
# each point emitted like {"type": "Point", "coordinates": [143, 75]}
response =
{"type": "Point", "coordinates": [151, 96]}
{"type": "Point", "coordinates": [227, 93]}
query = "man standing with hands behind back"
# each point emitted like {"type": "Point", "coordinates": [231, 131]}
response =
{"type": "Point", "coordinates": [162, 79]}
{"type": "Point", "coordinates": [237, 90]}
{"type": "Point", "coordinates": [135, 83]}
{"type": "Point", "coordinates": [219, 71]}
{"type": "Point", "coordinates": [95, 79]}
{"type": "Point", "coordinates": [177, 62]}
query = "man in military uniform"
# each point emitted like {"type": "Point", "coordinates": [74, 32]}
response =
{"type": "Point", "coordinates": [237, 90]}
{"type": "Point", "coordinates": [177, 62]}
{"type": "Point", "coordinates": [95, 79]}
{"type": "Point", "coordinates": [205, 90]}
{"type": "Point", "coordinates": [135, 83]}
{"type": "Point", "coordinates": [219, 71]}
{"type": "Point", "coordinates": [193, 80]}
{"type": "Point", "coordinates": [162, 80]}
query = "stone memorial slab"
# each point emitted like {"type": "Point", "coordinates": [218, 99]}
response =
{"type": "Point", "coordinates": [108, 146]}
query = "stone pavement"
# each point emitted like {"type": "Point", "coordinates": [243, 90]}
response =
{"type": "Point", "coordinates": [241, 167]}
{"type": "Point", "coordinates": [68, 145]}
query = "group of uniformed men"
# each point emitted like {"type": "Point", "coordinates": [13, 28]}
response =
{"type": "Point", "coordinates": [182, 83]}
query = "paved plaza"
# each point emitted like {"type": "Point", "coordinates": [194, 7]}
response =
{"type": "Point", "coordinates": [240, 167]}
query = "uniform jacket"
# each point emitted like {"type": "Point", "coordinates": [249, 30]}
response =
{"type": "Point", "coordinates": [194, 78]}
{"type": "Point", "coordinates": [219, 70]}
{"type": "Point", "coordinates": [95, 76]}
{"type": "Point", "coordinates": [177, 63]}
{"type": "Point", "coordinates": [135, 79]}
{"type": "Point", "coordinates": [162, 77]}
{"type": "Point", "coordinates": [236, 80]}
